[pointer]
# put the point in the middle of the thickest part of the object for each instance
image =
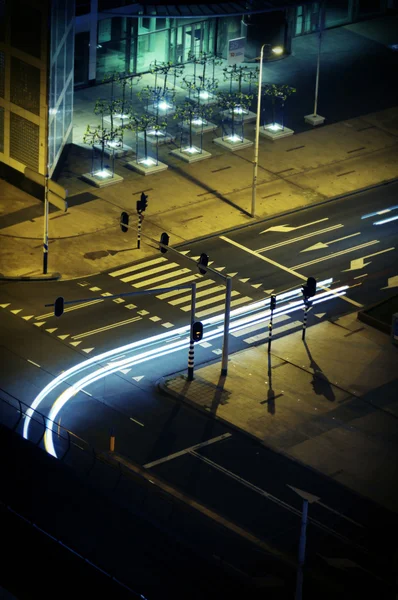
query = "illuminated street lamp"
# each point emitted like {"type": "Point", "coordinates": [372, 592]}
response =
{"type": "Point", "coordinates": [278, 50]}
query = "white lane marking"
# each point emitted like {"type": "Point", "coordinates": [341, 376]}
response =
{"type": "Point", "coordinates": [209, 301]}
{"type": "Point", "coordinates": [88, 350]}
{"type": "Point", "coordinates": [336, 512]}
{"type": "Point", "coordinates": [87, 393]}
{"type": "Point", "coordinates": [138, 422]}
{"type": "Point", "coordinates": [95, 289]}
{"type": "Point", "coordinates": [181, 282]}
{"type": "Point", "coordinates": [4, 305]}
{"type": "Point", "coordinates": [335, 254]}
{"type": "Point", "coordinates": [28, 317]}
{"type": "Point", "coordinates": [321, 245]}
{"type": "Point", "coordinates": [33, 363]}
{"type": "Point", "coordinates": [282, 329]}
{"type": "Point", "coordinates": [280, 266]}
{"type": "Point", "coordinates": [145, 273]}
{"type": "Point", "coordinates": [137, 267]}
{"type": "Point", "coordinates": [167, 325]}
{"type": "Point", "coordinates": [70, 308]}
{"type": "Point", "coordinates": [359, 263]}
{"type": "Point", "coordinates": [221, 307]}
{"type": "Point", "coordinates": [16, 311]}
{"type": "Point", "coordinates": [258, 326]}
{"type": "Point", "coordinates": [300, 238]}
{"type": "Point", "coordinates": [219, 438]}
{"type": "Point", "coordinates": [161, 278]}
{"type": "Point", "coordinates": [105, 328]}
{"type": "Point", "coordinates": [187, 298]}
{"type": "Point", "coordinates": [274, 499]}
{"type": "Point", "coordinates": [138, 377]}
{"type": "Point", "coordinates": [287, 229]}
{"type": "Point", "coordinates": [360, 276]}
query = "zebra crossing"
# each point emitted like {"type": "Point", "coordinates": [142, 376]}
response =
{"type": "Point", "coordinates": [160, 272]}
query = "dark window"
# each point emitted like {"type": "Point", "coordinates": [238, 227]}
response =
{"type": "Point", "coordinates": [25, 85]}
{"type": "Point", "coordinates": [82, 7]}
{"type": "Point", "coordinates": [1, 129]}
{"type": "Point", "coordinates": [2, 74]}
{"type": "Point", "coordinates": [24, 141]}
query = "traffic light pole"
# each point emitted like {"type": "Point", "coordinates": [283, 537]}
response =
{"type": "Point", "coordinates": [306, 307]}
{"type": "Point", "coordinates": [191, 351]}
{"type": "Point", "coordinates": [139, 229]}
{"type": "Point", "coordinates": [270, 330]}
{"type": "Point", "coordinates": [45, 230]}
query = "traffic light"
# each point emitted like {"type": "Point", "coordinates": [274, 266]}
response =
{"type": "Point", "coordinates": [197, 331]}
{"type": "Point", "coordinates": [142, 203]}
{"type": "Point", "coordinates": [164, 239]}
{"type": "Point", "coordinates": [59, 306]}
{"type": "Point", "coordinates": [273, 302]}
{"type": "Point", "coordinates": [309, 289]}
{"type": "Point", "coordinates": [203, 262]}
{"type": "Point", "coordinates": [124, 221]}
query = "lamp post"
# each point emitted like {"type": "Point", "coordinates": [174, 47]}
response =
{"type": "Point", "coordinates": [316, 119]}
{"type": "Point", "coordinates": [277, 50]}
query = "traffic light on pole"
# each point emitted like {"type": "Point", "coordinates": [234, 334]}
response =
{"type": "Point", "coordinates": [164, 239]}
{"type": "Point", "coordinates": [309, 289]}
{"type": "Point", "coordinates": [197, 331]}
{"type": "Point", "coordinates": [203, 262]}
{"type": "Point", "coordinates": [59, 306]}
{"type": "Point", "coordinates": [124, 221]}
{"type": "Point", "coordinates": [273, 302]}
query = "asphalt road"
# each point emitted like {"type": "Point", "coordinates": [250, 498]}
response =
{"type": "Point", "coordinates": [235, 476]}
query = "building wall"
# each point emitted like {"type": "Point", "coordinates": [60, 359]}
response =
{"type": "Point", "coordinates": [36, 84]}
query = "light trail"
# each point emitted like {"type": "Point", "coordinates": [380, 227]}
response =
{"type": "Point", "coordinates": [178, 339]}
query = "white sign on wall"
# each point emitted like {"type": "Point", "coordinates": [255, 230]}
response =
{"type": "Point", "coordinates": [236, 50]}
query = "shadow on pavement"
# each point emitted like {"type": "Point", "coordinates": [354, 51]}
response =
{"type": "Point", "coordinates": [320, 382]}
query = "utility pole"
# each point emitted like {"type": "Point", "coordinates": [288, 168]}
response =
{"type": "Point", "coordinates": [191, 351]}
{"type": "Point", "coordinates": [257, 134]}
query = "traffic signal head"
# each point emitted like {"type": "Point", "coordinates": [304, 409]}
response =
{"type": "Point", "coordinates": [273, 302]}
{"type": "Point", "coordinates": [144, 201]}
{"type": "Point", "coordinates": [197, 331]}
{"type": "Point", "coordinates": [309, 289]}
{"type": "Point", "coordinates": [124, 221]}
{"type": "Point", "coordinates": [164, 239]}
{"type": "Point", "coordinates": [203, 262]}
{"type": "Point", "coordinates": [59, 306]}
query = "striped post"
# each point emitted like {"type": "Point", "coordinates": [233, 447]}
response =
{"type": "Point", "coordinates": [139, 229]}
{"type": "Point", "coordinates": [306, 306]}
{"type": "Point", "coordinates": [191, 351]}
{"type": "Point", "coordinates": [270, 330]}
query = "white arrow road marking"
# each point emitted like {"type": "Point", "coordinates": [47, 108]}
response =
{"type": "Point", "coordinates": [392, 282]}
{"type": "Point", "coordinates": [232, 274]}
{"type": "Point", "coordinates": [268, 291]}
{"type": "Point", "coordinates": [256, 285]}
{"type": "Point", "coordinates": [304, 495]}
{"type": "Point", "coordinates": [75, 343]}
{"type": "Point", "coordinates": [138, 378]}
{"type": "Point", "coordinates": [300, 238]}
{"type": "Point", "coordinates": [27, 318]}
{"type": "Point", "coordinates": [52, 330]}
{"type": "Point", "coordinates": [321, 245]}
{"type": "Point", "coordinates": [280, 266]}
{"type": "Point", "coordinates": [185, 252]}
{"type": "Point", "coordinates": [4, 305]}
{"type": "Point", "coordinates": [244, 280]}
{"type": "Point", "coordinates": [187, 450]}
{"type": "Point", "coordinates": [125, 371]}
{"type": "Point", "coordinates": [87, 350]}
{"type": "Point", "coordinates": [39, 324]}
{"type": "Point", "coordinates": [287, 229]}
{"type": "Point", "coordinates": [359, 263]}
{"type": "Point", "coordinates": [340, 253]}
{"type": "Point", "coordinates": [320, 315]}
{"type": "Point", "coordinates": [15, 312]}
{"type": "Point", "coordinates": [63, 337]}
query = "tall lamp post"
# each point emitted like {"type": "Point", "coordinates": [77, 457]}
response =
{"type": "Point", "coordinates": [276, 50]}
{"type": "Point", "coordinates": [316, 119]}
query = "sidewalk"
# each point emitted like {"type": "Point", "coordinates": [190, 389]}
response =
{"type": "Point", "coordinates": [190, 201]}
{"type": "Point", "coordinates": [330, 403]}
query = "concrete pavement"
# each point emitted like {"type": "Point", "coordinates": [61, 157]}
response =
{"type": "Point", "coordinates": [330, 403]}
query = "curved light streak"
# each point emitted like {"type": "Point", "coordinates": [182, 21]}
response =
{"type": "Point", "coordinates": [148, 355]}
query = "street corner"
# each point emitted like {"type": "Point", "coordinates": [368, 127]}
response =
{"type": "Point", "coordinates": [200, 392]}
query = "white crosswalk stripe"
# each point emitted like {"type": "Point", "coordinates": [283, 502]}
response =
{"type": "Point", "coordinates": [258, 326]}
{"type": "Point", "coordinates": [282, 329]}
{"type": "Point", "coordinates": [161, 272]}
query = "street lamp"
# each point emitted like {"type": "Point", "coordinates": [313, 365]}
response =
{"type": "Point", "coordinates": [277, 50]}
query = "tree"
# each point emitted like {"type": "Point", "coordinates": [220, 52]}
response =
{"type": "Point", "coordinates": [187, 113]}
{"type": "Point", "coordinates": [143, 123]}
{"type": "Point", "coordinates": [201, 81]}
{"type": "Point", "coordinates": [166, 69]}
{"type": "Point", "coordinates": [102, 137]}
{"type": "Point", "coordinates": [235, 103]}
{"type": "Point", "coordinates": [110, 107]}
{"type": "Point", "coordinates": [278, 92]}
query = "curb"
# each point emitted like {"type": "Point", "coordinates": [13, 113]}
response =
{"type": "Point", "coordinates": [51, 277]}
